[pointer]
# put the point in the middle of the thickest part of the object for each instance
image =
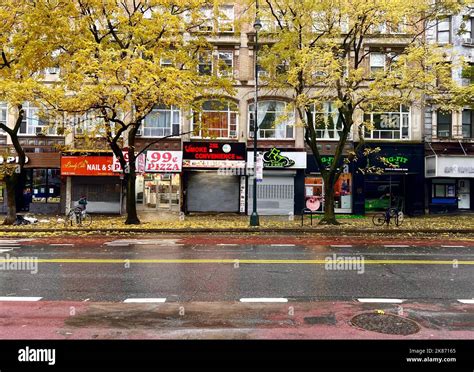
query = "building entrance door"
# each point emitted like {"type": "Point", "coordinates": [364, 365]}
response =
{"type": "Point", "coordinates": [464, 198]}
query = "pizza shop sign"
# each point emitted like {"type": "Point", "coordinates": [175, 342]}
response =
{"type": "Point", "coordinates": [163, 161]}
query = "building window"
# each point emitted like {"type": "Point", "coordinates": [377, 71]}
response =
{"type": "Point", "coordinates": [225, 19]}
{"type": "Point", "coordinates": [273, 120]}
{"type": "Point", "coordinates": [217, 120]}
{"type": "Point", "coordinates": [444, 122]}
{"type": "Point", "coordinates": [326, 121]}
{"type": "Point", "coordinates": [89, 123]}
{"type": "Point", "coordinates": [226, 63]}
{"type": "Point", "coordinates": [207, 20]}
{"type": "Point", "coordinates": [162, 121]}
{"type": "Point", "coordinates": [33, 124]}
{"type": "Point", "coordinates": [3, 115]}
{"type": "Point", "coordinates": [377, 62]}
{"type": "Point", "coordinates": [205, 63]}
{"type": "Point", "coordinates": [468, 30]}
{"type": "Point", "coordinates": [388, 125]}
{"type": "Point", "coordinates": [443, 31]}
{"type": "Point", "coordinates": [42, 186]}
{"type": "Point", "coordinates": [468, 123]}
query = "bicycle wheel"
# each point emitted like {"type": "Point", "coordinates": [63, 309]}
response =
{"type": "Point", "coordinates": [70, 219]}
{"type": "Point", "coordinates": [399, 218]}
{"type": "Point", "coordinates": [378, 219]}
{"type": "Point", "coordinates": [86, 220]}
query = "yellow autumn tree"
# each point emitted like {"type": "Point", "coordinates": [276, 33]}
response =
{"type": "Point", "coordinates": [121, 59]}
{"type": "Point", "coordinates": [29, 36]}
{"type": "Point", "coordinates": [317, 51]}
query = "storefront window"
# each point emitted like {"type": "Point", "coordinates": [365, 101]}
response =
{"type": "Point", "coordinates": [273, 120]}
{"type": "Point", "coordinates": [382, 192]}
{"type": "Point", "coordinates": [217, 120]}
{"type": "Point", "coordinates": [314, 193]}
{"type": "Point", "coordinates": [388, 125]}
{"type": "Point", "coordinates": [42, 186]}
{"type": "Point", "coordinates": [162, 121]}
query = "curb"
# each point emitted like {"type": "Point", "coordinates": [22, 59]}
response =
{"type": "Point", "coordinates": [245, 230]}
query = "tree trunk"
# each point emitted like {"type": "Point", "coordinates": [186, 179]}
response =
{"type": "Point", "coordinates": [11, 183]}
{"type": "Point", "coordinates": [132, 216]}
{"type": "Point", "coordinates": [329, 215]}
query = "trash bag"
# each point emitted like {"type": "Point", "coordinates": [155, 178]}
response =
{"type": "Point", "coordinates": [20, 220]}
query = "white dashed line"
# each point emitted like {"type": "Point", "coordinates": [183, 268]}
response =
{"type": "Point", "coordinates": [396, 246]}
{"type": "Point", "coordinates": [12, 298]}
{"type": "Point", "coordinates": [5, 250]}
{"type": "Point", "coordinates": [381, 300]}
{"type": "Point", "coordinates": [470, 302]}
{"type": "Point", "coordinates": [145, 300]}
{"type": "Point", "coordinates": [263, 299]}
{"type": "Point", "coordinates": [282, 245]}
{"type": "Point", "coordinates": [452, 246]}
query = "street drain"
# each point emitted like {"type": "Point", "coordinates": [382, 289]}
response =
{"type": "Point", "coordinates": [385, 323]}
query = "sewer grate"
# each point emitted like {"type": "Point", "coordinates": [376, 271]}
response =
{"type": "Point", "coordinates": [385, 323]}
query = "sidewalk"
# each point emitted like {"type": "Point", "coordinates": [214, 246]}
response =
{"type": "Point", "coordinates": [226, 320]}
{"type": "Point", "coordinates": [207, 223]}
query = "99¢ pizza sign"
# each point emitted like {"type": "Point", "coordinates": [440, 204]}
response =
{"type": "Point", "coordinates": [163, 161]}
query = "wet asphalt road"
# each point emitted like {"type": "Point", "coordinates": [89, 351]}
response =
{"type": "Point", "coordinates": [184, 272]}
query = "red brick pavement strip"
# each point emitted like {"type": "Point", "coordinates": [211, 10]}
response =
{"type": "Point", "coordinates": [53, 320]}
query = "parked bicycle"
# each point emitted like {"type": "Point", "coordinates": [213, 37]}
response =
{"type": "Point", "coordinates": [78, 216]}
{"type": "Point", "coordinates": [379, 219]}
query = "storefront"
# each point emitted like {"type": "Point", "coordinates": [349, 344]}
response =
{"type": "Point", "coordinates": [92, 175]}
{"type": "Point", "coordinates": [214, 177]}
{"type": "Point", "coordinates": [281, 189]}
{"type": "Point", "coordinates": [450, 183]}
{"type": "Point", "coordinates": [159, 186]}
{"type": "Point", "coordinates": [40, 184]}
{"type": "Point", "coordinates": [392, 177]}
{"type": "Point", "coordinates": [314, 186]}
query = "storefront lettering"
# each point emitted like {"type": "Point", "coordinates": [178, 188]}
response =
{"type": "Point", "coordinates": [274, 159]}
{"type": "Point", "coordinates": [12, 159]}
{"type": "Point", "coordinates": [397, 160]}
{"type": "Point", "coordinates": [457, 169]}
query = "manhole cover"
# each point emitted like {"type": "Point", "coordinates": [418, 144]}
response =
{"type": "Point", "coordinates": [385, 323]}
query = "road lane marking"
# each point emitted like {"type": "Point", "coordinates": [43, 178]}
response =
{"type": "Point", "coordinates": [282, 245]}
{"type": "Point", "coordinates": [5, 250]}
{"type": "Point", "coordinates": [381, 300]}
{"type": "Point", "coordinates": [13, 298]}
{"type": "Point", "coordinates": [396, 246]}
{"type": "Point", "coordinates": [452, 246]}
{"type": "Point", "coordinates": [232, 261]}
{"type": "Point", "coordinates": [341, 245]}
{"type": "Point", "coordinates": [471, 302]}
{"type": "Point", "coordinates": [263, 299]}
{"type": "Point", "coordinates": [145, 300]}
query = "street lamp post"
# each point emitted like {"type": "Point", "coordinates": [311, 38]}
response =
{"type": "Point", "coordinates": [254, 219]}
